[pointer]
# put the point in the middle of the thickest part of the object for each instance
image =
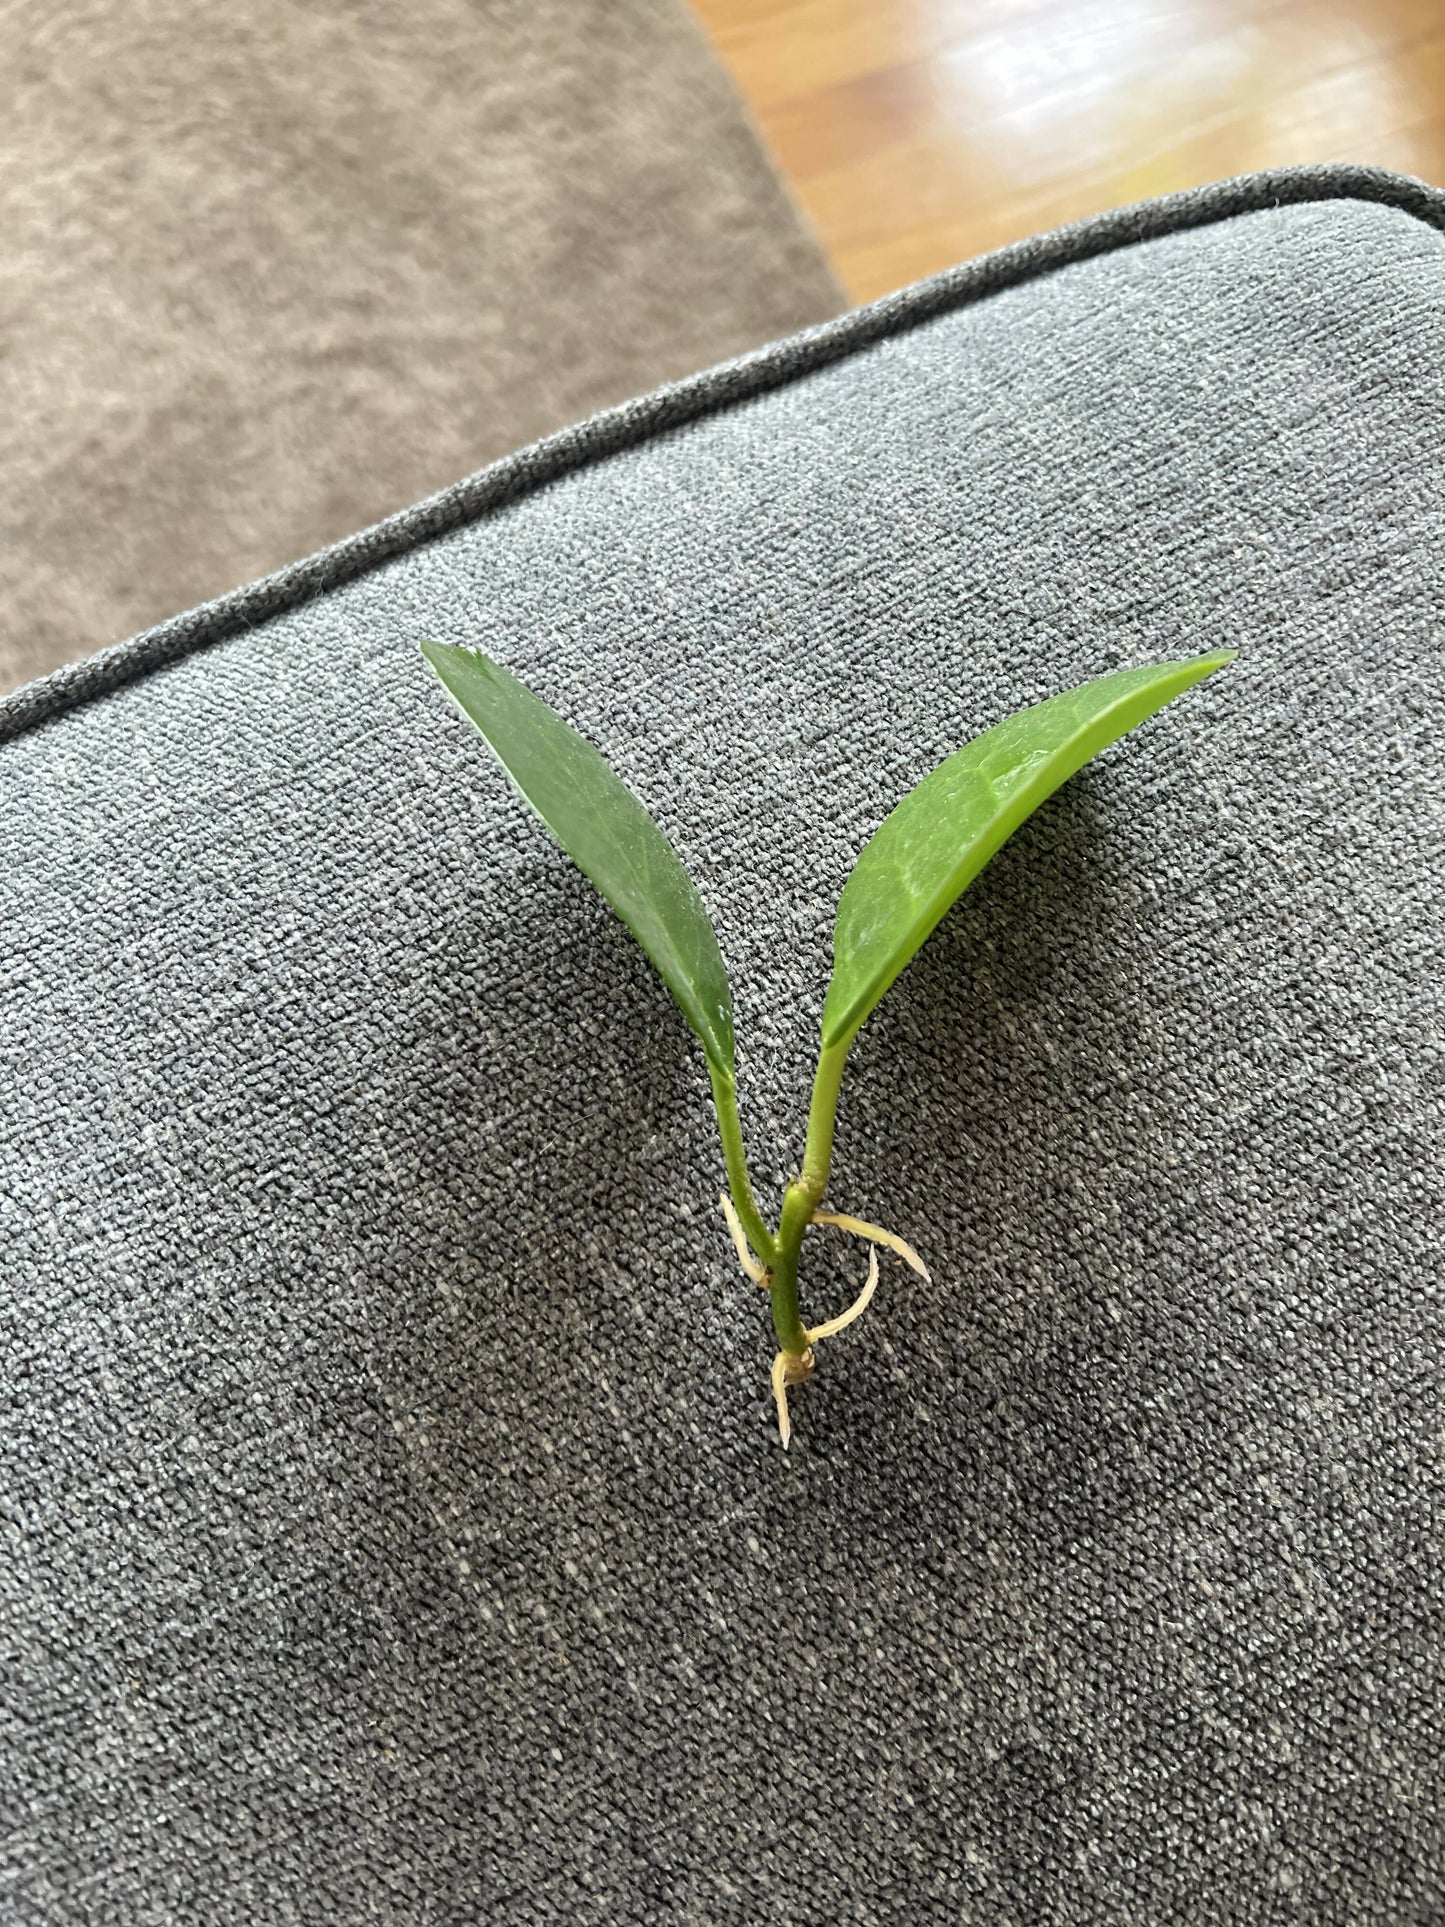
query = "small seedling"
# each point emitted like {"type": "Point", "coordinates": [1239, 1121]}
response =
{"type": "Point", "coordinates": [911, 871]}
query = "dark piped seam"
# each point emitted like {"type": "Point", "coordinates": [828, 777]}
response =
{"type": "Point", "coordinates": [632, 423]}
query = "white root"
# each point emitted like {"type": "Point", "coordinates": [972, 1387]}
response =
{"type": "Point", "coordinates": [745, 1257]}
{"type": "Point", "coordinates": [876, 1235]}
{"type": "Point", "coordinates": [780, 1397]}
{"type": "Point", "coordinates": [789, 1370]}
{"type": "Point", "coordinates": [855, 1310]}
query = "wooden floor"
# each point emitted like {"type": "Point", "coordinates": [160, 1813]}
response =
{"type": "Point", "coordinates": [916, 133]}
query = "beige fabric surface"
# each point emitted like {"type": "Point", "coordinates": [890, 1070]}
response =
{"type": "Point", "coordinates": [267, 275]}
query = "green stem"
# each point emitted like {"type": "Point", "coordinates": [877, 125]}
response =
{"type": "Point", "coordinates": [783, 1273]}
{"type": "Point", "coordinates": [818, 1152]}
{"type": "Point", "coordinates": [730, 1130]}
{"type": "Point", "coordinates": [803, 1197]}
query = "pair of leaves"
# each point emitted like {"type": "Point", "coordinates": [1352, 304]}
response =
{"type": "Point", "coordinates": [912, 870]}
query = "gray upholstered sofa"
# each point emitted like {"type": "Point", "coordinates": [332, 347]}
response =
{"type": "Point", "coordinates": [394, 1525]}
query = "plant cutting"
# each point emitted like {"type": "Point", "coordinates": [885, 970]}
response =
{"type": "Point", "coordinates": [910, 873]}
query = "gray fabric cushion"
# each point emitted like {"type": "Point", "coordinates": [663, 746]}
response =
{"type": "Point", "coordinates": [395, 1525]}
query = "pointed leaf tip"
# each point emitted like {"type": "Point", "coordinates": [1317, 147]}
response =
{"type": "Point", "coordinates": [604, 829]}
{"type": "Point", "coordinates": [935, 842]}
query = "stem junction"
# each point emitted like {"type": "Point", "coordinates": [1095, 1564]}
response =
{"type": "Point", "coordinates": [777, 1253]}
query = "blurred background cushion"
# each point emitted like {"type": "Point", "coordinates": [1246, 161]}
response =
{"type": "Point", "coordinates": [395, 1522]}
{"type": "Point", "coordinates": [270, 273]}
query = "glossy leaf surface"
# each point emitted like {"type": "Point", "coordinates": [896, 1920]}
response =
{"type": "Point", "coordinates": [927, 852]}
{"type": "Point", "coordinates": [605, 830]}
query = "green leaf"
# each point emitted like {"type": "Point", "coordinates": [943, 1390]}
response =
{"type": "Point", "coordinates": [922, 857]}
{"type": "Point", "coordinates": [607, 833]}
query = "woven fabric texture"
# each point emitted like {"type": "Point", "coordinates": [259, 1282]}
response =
{"type": "Point", "coordinates": [394, 1524]}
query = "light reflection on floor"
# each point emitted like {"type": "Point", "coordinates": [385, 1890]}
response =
{"type": "Point", "coordinates": [919, 132]}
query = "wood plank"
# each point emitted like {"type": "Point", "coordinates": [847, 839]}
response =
{"type": "Point", "coordinates": [916, 133]}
